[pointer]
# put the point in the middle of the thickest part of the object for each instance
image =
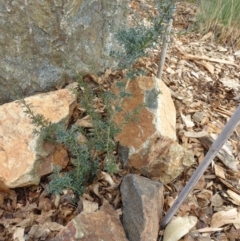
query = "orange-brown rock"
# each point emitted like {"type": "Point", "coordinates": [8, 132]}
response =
{"type": "Point", "coordinates": [156, 117]}
{"type": "Point", "coordinates": [166, 160]}
{"type": "Point", "coordinates": [25, 157]}
{"type": "Point", "coordinates": [97, 226]}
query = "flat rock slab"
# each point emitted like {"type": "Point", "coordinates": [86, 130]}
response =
{"type": "Point", "coordinates": [103, 225]}
{"type": "Point", "coordinates": [25, 157]}
{"type": "Point", "coordinates": [142, 207]}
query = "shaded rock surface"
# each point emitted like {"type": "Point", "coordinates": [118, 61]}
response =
{"type": "Point", "coordinates": [24, 157]}
{"type": "Point", "coordinates": [156, 118]}
{"type": "Point", "coordinates": [166, 160]}
{"type": "Point", "coordinates": [142, 207]}
{"type": "Point", "coordinates": [103, 225]}
{"type": "Point", "coordinates": [43, 41]}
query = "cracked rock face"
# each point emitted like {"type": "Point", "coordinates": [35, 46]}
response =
{"type": "Point", "coordinates": [25, 157]}
{"type": "Point", "coordinates": [156, 118]}
{"type": "Point", "coordinates": [44, 43]}
{"type": "Point", "coordinates": [149, 144]}
{"type": "Point", "coordinates": [142, 207]}
{"type": "Point", "coordinates": [103, 224]}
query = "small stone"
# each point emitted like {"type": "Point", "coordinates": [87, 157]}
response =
{"type": "Point", "coordinates": [198, 116]}
{"type": "Point", "coordinates": [142, 207]}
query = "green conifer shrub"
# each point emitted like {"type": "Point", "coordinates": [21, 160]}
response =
{"type": "Point", "coordinates": [134, 42]}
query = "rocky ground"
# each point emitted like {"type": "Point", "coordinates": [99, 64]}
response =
{"type": "Point", "coordinates": [204, 80]}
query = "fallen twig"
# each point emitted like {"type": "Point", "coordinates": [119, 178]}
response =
{"type": "Point", "coordinates": [195, 57]}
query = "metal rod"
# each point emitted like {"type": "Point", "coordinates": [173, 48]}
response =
{"type": "Point", "coordinates": [212, 152]}
{"type": "Point", "coordinates": [166, 40]}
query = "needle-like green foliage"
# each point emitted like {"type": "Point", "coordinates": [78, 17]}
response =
{"type": "Point", "coordinates": [134, 43]}
{"type": "Point", "coordinates": [136, 40]}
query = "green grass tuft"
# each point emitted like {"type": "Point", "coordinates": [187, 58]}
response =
{"type": "Point", "coordinates": [222, 18]}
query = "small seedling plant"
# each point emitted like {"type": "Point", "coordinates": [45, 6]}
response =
{"type": "Point", "coordinates": [99, 147]}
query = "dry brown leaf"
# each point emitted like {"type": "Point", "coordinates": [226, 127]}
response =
{"type": "Point", "coordinates": [56, 200]}
{"type": "Point", "coordinates": [2, 196]}
{"type": "Point", "coordinates": [85, 122]}
{"type": "Point", "coordinates": [207, 36]}
{"type": "Point", "coordinates": [225, 113]}
{"type": "Point", "coordinates": [53, 226]}
{"type": "Point", "coordinates": [219, 171]}
{"type": "Point", "coordinates": [45, 204]}
{"type": "Point", "coordinates": [205, 237]}
{"type": "Point", "coordinates": [229, 185]}
{"type": "Point", "coordinates": [221, 49]}
{"type": "Point", "coordinates": [44, 216]}
{"type": "Point", "coordinates": [27, 222]}
{"type": "Point", "coordinates": [216, 200]}
{"type": "Point", "coordinates": [233, 234]}
{"type": "Point", "coordinates": [209, 67]}
{"type": "Point", "coordinates": [234, 196]}
{"type": "Point", "coordinates": [201, 157]}
{"type": "Point", "coordinates": [225, 217]}
{"type": "Point", "coordinates": [187, 120]}
{"type": "Point", "coordinates": [204, 197]}
{"type": "Point", "coordinates": [231, 83]}
{"type": "Point", "coordinates": [178, 227]}
{"type": "Point", "coordinates": [107, 177]}
{"type": "Point", "coordinates": [66, 211]}
{"type": "Point", "coordinates": [88, 197]}
{"type": "Point", "coordinates": [7, 221]}
{"type": "Point", "coordinates": [18, 235]}
{"type": "Point", "coordinates": [28, 208]}
{"type": "Point", "coordinates": [117, 200]}
{"type": "Point", "coordinates": [213, 128]}
{"type": "Point", "coordinates": [237, 224]}
{"type": "Point", "coordinates": [194, 134]}
{"type": "Point", "coordinates": [38, 232]}
{"type": "Point", "coordinates": [89, 207]}
{"type": "Point", "coordinates": [200, 184]}
{"type": "Point", "coordinates": [207, 230]}
{"type": "Point", "coordinates": [170, 200]}
{"type": "Point", "coordinates": [184, 209]}
{"type": "Point", "coordinates": [95, 188]}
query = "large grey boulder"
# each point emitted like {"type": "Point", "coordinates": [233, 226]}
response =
{"type": "Point", "coordinates": [43, 42]}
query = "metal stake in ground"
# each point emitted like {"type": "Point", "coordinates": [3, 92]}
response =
{"type": "Point", "coordinates": [212, 152]}
{"type": "Point", "coordinates": [166, 40]}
